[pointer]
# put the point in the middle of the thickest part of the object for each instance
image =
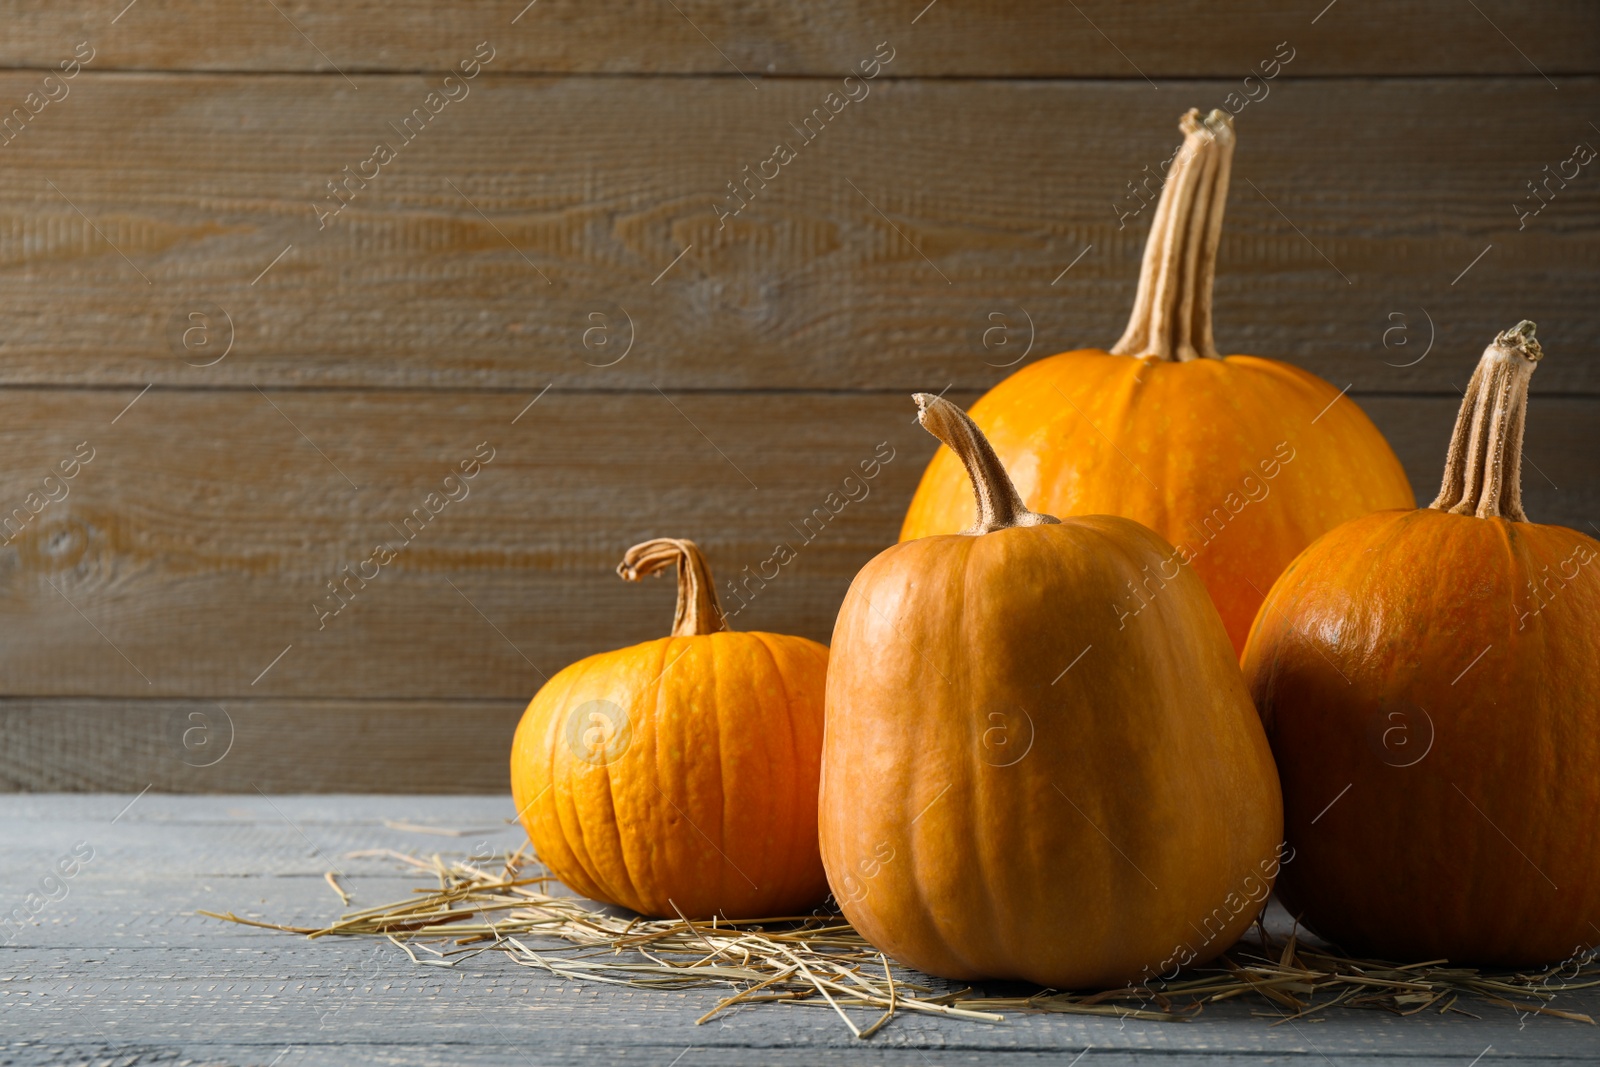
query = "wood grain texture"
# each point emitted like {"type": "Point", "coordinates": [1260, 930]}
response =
{"type": "Point", "coordinates": [920, 240]}
{"type": "Point", "coordinates": [123, 971]}
{"type": "Point", "coordinates": [299, 746]}
{"type": "Point", "coordinates": [199, 541]}
{"type": "Point", "coordinates": [196, 546]}
{"type": "Point", "coordinates": [1035, 38]}
{"type": "Point", "coordinates": [311, 381]}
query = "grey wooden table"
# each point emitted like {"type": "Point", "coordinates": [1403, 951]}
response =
{"type": "Point", "coordinates": [116, 967]}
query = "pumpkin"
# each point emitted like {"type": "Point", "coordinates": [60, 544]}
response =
{"type": "Point", "coordinates": [1240, 462]}
{"type": "Point", "coordinates": [1017, 782]}
{"type": "Point", "coordinates": [679, 776]}
{"type": "Point", "coordinates": [1430, 683]}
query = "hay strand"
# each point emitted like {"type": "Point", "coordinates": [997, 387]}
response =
{"type": "Point", "coordinates": [820, 961]}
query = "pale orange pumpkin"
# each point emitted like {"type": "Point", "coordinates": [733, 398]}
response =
{"type": "Point", "coordinates": [680, 775]}
{"type": "Point", "coordinates": [1430, 681]}
{"type": "Point", "coordinates": [1240, 462]}
{"type": "Point", "coordinates": [1019, 783]}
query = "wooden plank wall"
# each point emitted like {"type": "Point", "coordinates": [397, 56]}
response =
{"type": "Point", "coordinates": [254, 389]}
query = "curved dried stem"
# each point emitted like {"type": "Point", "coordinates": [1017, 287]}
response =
{"type": "Point", "coordinates": [1171, 315]}
{"type": "Point", "coordinates": [1483, 469]}
{"type": "Point", "coordinates": [699, 611]}
{"type": "Point", "coordinates": [999, 505]}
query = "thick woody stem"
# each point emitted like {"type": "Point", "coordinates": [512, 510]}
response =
{"type": "Point", "coordinates": [1483, 470]}
{"type": "Point", "coordinates": [698, 610]}
{"type": "Point", "coordinates": [999, 505]}
{"type": "Point", "coordinates": [1172, 309]}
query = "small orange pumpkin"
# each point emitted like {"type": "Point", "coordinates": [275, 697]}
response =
{"type": "Point", "coordinates": [1430, 681]}
{"type": "Point", "coordinates": [1016, 782]}
{"type": "Point", "coordinates": [1239, 461]}
{"type": "Point", "coordinates": [680, 775]}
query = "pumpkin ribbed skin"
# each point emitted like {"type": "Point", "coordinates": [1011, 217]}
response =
{"type": "Point", "coordinates": [1219, 456]}
{"type": "Point", "coordinates": [985, 815]}
{"type": "Point", "coordinates": [704, 802]}
{"type": "Point", "coordinates": [1470, 828]}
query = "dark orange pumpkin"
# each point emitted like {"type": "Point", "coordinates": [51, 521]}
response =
{"type": "Point", "coordinates": [1017, 781]}
{"type": "Point", "coordinates": [1430, 681]}
{"type": "Point", "coordinates": [1239, 461]}
{"type": "Point", "coordinates": [680, 775]}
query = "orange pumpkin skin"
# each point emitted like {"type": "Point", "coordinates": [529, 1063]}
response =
{"type": "Point", "coordinates": [1443, 795]}
{"type": "Point", "coordinates": [1238, 462]}
{"type": "Point", "coordinates": [699, 794]}
{"type": "Point", "coordinates": [987, 812]}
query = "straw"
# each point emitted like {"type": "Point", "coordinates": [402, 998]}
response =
{"type": "Point", "coordinates": [820, 961]}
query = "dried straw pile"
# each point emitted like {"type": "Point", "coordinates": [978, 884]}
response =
{"type": "Point", "coordinates": [820, 961]}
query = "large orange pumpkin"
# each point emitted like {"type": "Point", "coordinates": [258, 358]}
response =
{"type": "Point", "coordinates": [1240, 462]}
{"type": "Point", "coordinates": [1430, 681]}
{"type": "Point", "coordinates": [680, 775]}
{"type": "Point", "coordinates": [1017, 782]}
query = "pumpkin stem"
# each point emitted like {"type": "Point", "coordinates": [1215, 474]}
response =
{"type": "Point", "coordinates": [698, 612]}
{"type": "Point", "coordinates": [1483, 470]}
{"type": "Point", "coordinates": [999, 505]}
{"type": "Point", "coordinates": [1172, 309]}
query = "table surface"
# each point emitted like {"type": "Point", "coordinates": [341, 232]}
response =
{"type": "Point", "coordinates": [122, 970]}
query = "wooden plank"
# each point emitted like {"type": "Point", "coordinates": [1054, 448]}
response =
{"type": "Point", "coordinates": [1560, 481]}
{"type": "Point", "coordinates": [305, 746]}
{"type": "Point", "coordinates": [200, 540]}
{"type": "Point", "coordinates": [195, 547]}
{"type": "Point", "coordinates": [1033, 38]}
{"type": "Point", "coordinates": [240, 839]}
{"type": "Point", "coordinates": [537, 215]}
{"type": "Point", "coordinates": [121, 970]}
